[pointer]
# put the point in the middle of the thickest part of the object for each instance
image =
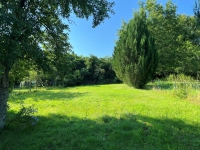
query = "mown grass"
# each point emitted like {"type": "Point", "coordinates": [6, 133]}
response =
{"type": "Point", "coordinates": [104, 117]}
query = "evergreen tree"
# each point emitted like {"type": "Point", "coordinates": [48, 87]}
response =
{"type": "Point", "coordinates": [135, 57]}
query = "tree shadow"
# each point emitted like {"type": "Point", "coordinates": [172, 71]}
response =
{"type": "Point", "coordinates": [127, 132]}
{"type": "Point", "coordinates": [47, 95]}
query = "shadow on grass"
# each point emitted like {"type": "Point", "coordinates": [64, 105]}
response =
{"type": "Point", "coordinates": [47, 95]}
{"type": "Point", "coordinates": [124, 133]}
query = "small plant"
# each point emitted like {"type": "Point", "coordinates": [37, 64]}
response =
{"type": "Point", "coordinates": [182, 84]}
{"type": "Point", "coordinates": [25, 115]}
{"type": "Point", "coordinates": [183, 89]}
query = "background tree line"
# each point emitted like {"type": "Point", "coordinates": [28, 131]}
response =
{"type": "Point", "coordinates": [68, 70]}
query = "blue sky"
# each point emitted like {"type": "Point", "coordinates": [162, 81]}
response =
{"type": "Point", "coordinates": [100, 41]}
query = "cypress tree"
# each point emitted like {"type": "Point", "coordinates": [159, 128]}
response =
{"type": "Point", "coordinates": [135, 56]}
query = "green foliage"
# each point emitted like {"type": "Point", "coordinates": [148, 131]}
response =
{"type": "Point", "coordinates": [78, 75]}
{"type": "Point", "coordinates": [135, 56]}
{"type": "Point", "coordinates": [11, 82]}
{"type": "Point", "coordinates": [162, 24]}
{"type": "Point", "coordinates": [189, 48]}
{"type": "Point", "coordinates": [91, 70]}
{"type": "Point", "coordinates": [20, 70]}
{"type": "Point", "coordinates": [98, 70]}
{"type": "Point", "coordinates": [176, 38]}
{"type": "Point", "coordinates": [72, 70]}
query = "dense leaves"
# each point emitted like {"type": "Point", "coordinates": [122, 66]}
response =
{"type": "Point", "coordinates": [135, 55]}
{"type": "Point", "coordinates": [82, 70]}
{"type": "Point", "coordinates": [176, 37]}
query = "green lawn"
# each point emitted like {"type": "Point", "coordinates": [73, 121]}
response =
{"type": "Point", "coordinates": [104, 117]}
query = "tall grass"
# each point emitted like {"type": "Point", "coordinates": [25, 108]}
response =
{"type": "Point", "coordinates": [182, 86]}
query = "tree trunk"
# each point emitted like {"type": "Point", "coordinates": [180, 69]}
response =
{"type": "Point", "coordinates": [4, 91]}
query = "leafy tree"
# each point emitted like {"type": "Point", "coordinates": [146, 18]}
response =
{"type": "Point", "coordinates": [26, 25]}
{"type": "Point", "coordinates": [93, 70]}
{"type": "Point", "coordinates": [163, 26]}
{"type": "Point", "coordinates": [78, 71]}
{"type": "Point", "coordinates": [98, 71]}
{"type": "Point", "coordinates": [107, 73]}
{"type": "Point", "coordinates": [90, 70]}
{"type": "Point", "coordinates": [19, 71]}
{"type": "Point", "coordinates": [63, 66]}
{"type": "Point", "coordinates": [135, 55]}
{"type": "Point", "coordinates": [188, 50]}
{"type": "Point", "coordinates": [172, 33]}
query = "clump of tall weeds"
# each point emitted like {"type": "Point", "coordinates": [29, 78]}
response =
{"type": "Point", "coordinates": [182, 85]}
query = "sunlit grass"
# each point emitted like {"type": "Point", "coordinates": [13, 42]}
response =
{"type": "Point", "coordinates": [104, 117]}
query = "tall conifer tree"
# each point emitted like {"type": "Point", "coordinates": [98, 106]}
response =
{"type": "Point", "coordinates": [135, 56]}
